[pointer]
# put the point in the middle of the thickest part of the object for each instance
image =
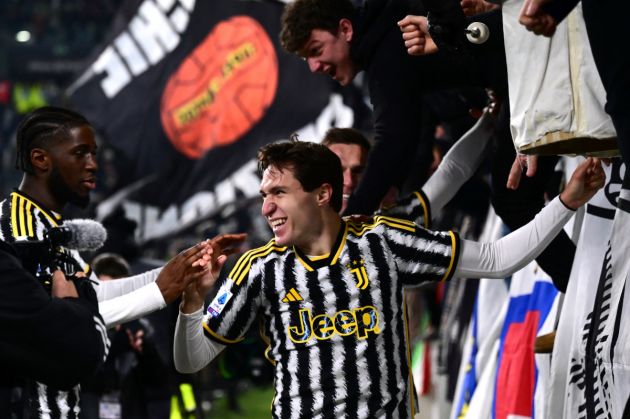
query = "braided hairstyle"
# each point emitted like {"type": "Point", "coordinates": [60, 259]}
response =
{"type": "Point", "coordinates": [39, 127]}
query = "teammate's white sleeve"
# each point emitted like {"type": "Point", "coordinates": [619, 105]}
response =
{"type": "Point", "coordinates": [459, 164]}
{"type": "Point", "coordinates": [192, 350]}
{"type": "Point", "coordinates": [125, 299]}
{"type": "Point", "coordinates": [510, 253]}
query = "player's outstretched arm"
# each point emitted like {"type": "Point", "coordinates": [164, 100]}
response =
{"type": "Point", "coordinates": [191, 350]}
{"type": "Point", "coordinates": [512, 252]}
{"type": "Point", "coordinates": [460, 163]}
{"type": "Point", "coordinates": [133, 297]}
{"type": "Point", "coordinates": [211, 261]}
{"type": "Point", "coordinates": [129, 298]}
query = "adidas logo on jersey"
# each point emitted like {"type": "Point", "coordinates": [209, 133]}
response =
{"type": "Point", "coordinates": [292, 296]}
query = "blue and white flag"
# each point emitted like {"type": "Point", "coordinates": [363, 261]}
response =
{"type": "Point", "coordinates": [475, 384]}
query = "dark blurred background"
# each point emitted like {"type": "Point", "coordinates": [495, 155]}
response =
{"type": "Point", "coordinates": [43, 43]}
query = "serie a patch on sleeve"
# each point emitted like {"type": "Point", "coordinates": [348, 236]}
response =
{"type": "Point", "coordinates": [218, 304]}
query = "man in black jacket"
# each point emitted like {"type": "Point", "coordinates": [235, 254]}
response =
{"type": "Point", "coordinates": [339, 40]}
{"type": "Point", "coordinates": [57, 340]}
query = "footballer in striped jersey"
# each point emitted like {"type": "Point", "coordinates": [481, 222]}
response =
{"type": "Point", "coordinates": [60, 143]}
{"type": "Point", "coordinates": [336, 324]}
{"type": "Point", "coordinates": [330, 292]}
{"type": "Point", "coordinates": [334, 315]}
{"type": "Point", "coordinates": [56, 151]}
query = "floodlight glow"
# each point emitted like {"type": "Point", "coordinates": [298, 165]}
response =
{"type": "Point", "coordinates": [23, 36]}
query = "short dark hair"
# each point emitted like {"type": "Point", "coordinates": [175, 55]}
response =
{"type": "Point", "coordinates": [346, 136]}
{"type": "Point", "coordinates": [302, 16]}
{"type": "Point", "coordinates": [112, 265]}
{"type": "Point", "coordinates": [312, 164]}
{"type": "Point", "coordinates": [39, 127]}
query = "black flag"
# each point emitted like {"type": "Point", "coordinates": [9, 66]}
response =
{"type": "Point", "coordinates": [185, 92]}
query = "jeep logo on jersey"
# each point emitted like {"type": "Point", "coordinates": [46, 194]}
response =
{"type": "Point", "coordinates": [222, 89]}
{"type": "Point", "coordinates": [360, 321]}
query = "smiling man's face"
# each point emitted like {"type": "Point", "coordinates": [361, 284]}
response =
{"type": "Point", "coordinates": [329, 53]}
{"type": "Point", "coordinates": [292, 213]}
{"type": "Point", "coordinates": [353, 159]}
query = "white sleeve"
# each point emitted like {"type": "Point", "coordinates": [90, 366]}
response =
{"type": "Point", "coordinates": [133, 305]}
{"type": "Point", "coordinates": [512, 252]}
{"type": "Point", "coordinates": [459, 164]}
{"type": "Point", "coordinates": [125, 299]}
{"type": "Point", "coordinates": [191, 349]}
{"type": "Point", "coordinates": [106, 290]}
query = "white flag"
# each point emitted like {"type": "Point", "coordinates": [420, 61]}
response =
{"type": "Point", "coordinates": [566, 397]}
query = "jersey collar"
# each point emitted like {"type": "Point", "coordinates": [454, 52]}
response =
{"type": "Point", "coordinates": [55, 218]}
{"type": "Point", "coordinates": [312, 264]}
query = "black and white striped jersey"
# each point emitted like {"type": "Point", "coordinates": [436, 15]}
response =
{"type": "Point", "coordinates": [336, 324]}
{"type": "Point", "coordinates": [413, 207]}
{"type": "Point", "coordinates": [22, 218]}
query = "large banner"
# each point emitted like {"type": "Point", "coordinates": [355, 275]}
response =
{"type": "Point", "coordinates": [570, 372]}
{"type": "Point", "coordinates": [185, 92]}
{"type": "Point", "coordinates": [556, 95]}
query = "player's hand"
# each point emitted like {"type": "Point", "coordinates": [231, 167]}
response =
{"type": "Point", "coordinates": [181, 270]}
{"type": "Point", "coordinates": [494, 103]}
{"type": "Point", "coordinates": [521, 162]}
{"type": "Point", "coordinates": [62, 287]}
{"type": "Point", "coordinates": [586, 180]}
{"type": "Point", "coordinates": [491, 109]}
{"type": "Point", "coordinates": [220, 248]}
{"type": "Point", "coordinates": [535, 19]}
{"type": "Point", "coordinates": [211, 262]}
{"type": "Point", "coordinates": [415, 33]}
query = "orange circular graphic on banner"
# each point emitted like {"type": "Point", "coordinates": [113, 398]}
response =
{"type": "Point", "coordinates": [222, 89]}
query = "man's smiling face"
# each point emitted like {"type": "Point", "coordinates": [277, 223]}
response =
{"type": "Point", "coordinates": [329, 53]}
{"type": "Point", "coordinates": [290, 211]}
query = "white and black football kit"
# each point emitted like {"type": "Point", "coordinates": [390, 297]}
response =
{"type": "Point", "coordinates": [22, 218]}
{"type": "Point", "coordinates": [336, 323]}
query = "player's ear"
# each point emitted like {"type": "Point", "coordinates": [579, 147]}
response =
{"type": "Point", "coordinates": [40, 160]}
{"type": "Point", "coordinates": [324, 194]}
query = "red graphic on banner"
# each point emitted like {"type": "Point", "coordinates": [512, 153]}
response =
{"type": "Point", "coordinates": [222, 89]}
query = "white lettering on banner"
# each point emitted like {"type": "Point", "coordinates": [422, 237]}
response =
{"type": "Point", "coordinates": [165, 5]}
{"type": "Point", "coordinates": [195, 205]}
{"type": "Point", "coordinates": [131, 53]}
{"type": "Point", "coordinates": [152, 33]}
{"type": "Point", "coordinates": [117, 74]}
{"type": "Point", "coordinates": [154, 223]}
